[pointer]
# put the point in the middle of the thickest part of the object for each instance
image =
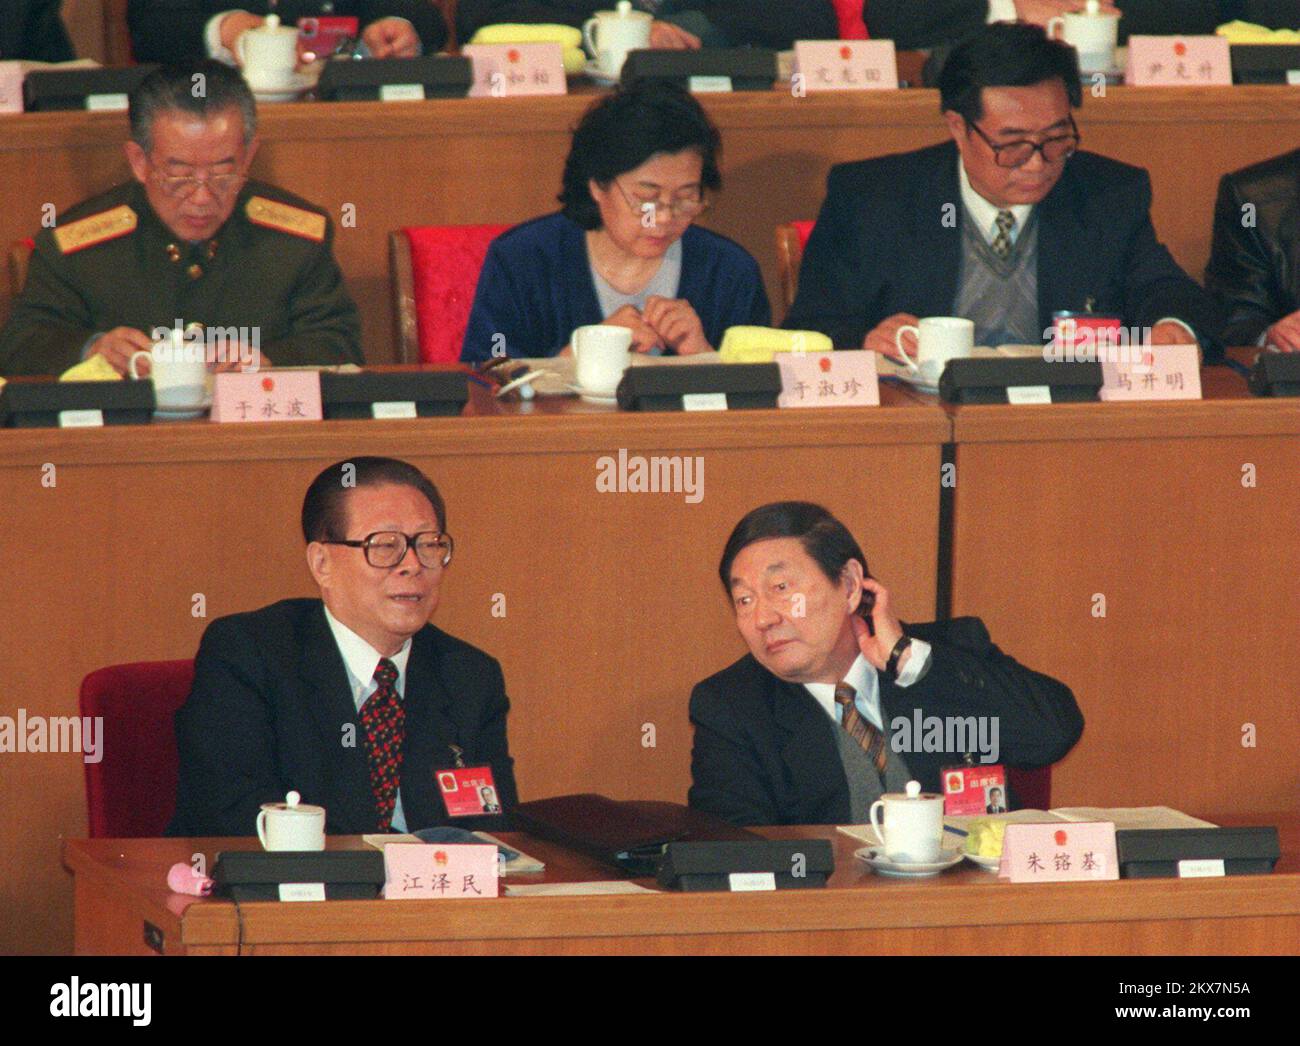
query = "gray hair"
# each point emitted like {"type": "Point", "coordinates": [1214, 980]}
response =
{"type": "Point", "coordinates": [201, 87]}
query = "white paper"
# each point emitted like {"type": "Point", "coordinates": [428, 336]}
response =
{"type": "Point", "coordinates": [614, 886]}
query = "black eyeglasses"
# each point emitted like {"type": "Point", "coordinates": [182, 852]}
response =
{"type": "Point", "coordinates": [387, 548]}
{"type": "Point", "coordinates": [1021, 151]}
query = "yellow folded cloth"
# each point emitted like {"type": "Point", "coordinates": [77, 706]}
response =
{"type": "Point", "coordinates": [566, 36]}
{"type": "Point", "coordinates": [984, 838]}
{"type": "Point", "coordinates": [94, 369]}
{"type": "Point", "coordinates": [1240, 32]}
{"type": "Point", "coordinates": [760, 344]}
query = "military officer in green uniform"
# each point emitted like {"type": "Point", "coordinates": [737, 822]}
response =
{"type": "Point", "coordinates": [189, 243]}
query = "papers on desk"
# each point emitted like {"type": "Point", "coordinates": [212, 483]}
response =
{"type": "Point", "coordinates": [1119, 816]}
{"type": "Point", "coordinates": [576, 889]}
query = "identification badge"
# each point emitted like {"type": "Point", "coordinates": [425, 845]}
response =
{"type": "Point", "coordinates": [974, 790]}
{"type": "Point", "coordinates": [468, 791]}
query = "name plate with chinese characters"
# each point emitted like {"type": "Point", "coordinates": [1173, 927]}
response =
{"type": "Point", "coordinates": [1178, 61]}
{"type": "Point", "coordinates": [513, 70]}
{"type": "Point", "coordinates": [828, 379]}
{"type": "Point", "coordinates": [845, 65]}
{"type": "Point", "coordinates": [11, 87]}
{"type": "Point", "coordinates": [437, 871]}
{"type": "Point", "coordinates": [1059, 852]}
{"type": "Point", "coordinates": [288, 395]}
{"type": "Point", "coordinates": [1164, 372]}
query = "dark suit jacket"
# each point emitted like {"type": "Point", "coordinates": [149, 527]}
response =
{"type": "Point", "coordinates": [881, 247]}
{"type": "Point", "coordinates": [765, 750]}
{"type": "Point", "coordinates": [1254, 269]}
{"type": "Point", "coordinates": [763, 23]}
{"type": "Point", "coordinates": [925, 23]}
{"type": "Point", "coordinates": [269, 712]}
{"type": "Point", "coordinates": [169, 30]}
{"type": "Point", "coordinates": [32, 29]}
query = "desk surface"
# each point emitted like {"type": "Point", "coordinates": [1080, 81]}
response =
{"type": "Point", "coordinates": [120, 884]}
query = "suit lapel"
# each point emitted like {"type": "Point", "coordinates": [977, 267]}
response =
{"type": "Point", "coordinates": [328, 696]}
{"type": "Point", "coordinates": [807, 746]}
{"type": "Point", "coordinates": [1061, 229]}
{"type": "Point", "coordinates": [937, 240]}
{"type": "Point", "coordinates": [430, 729]}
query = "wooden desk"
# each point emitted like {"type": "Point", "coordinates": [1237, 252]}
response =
{"type": "Point", "coordinates": [613, 610]}
{"type": "Point", "coordinates": [1144, 505]}
{"type": "Point", "coordinates": [500, 160]}
{"type": "Point", "coordinates": [120, 886]}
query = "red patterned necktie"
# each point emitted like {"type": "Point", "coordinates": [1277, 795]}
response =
{"type": "Point", "coordinates": [382, 723]}
{"type": "Point", "coordinates": [861, 729]}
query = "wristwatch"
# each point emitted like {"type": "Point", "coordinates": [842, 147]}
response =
{"type": "Point", "coordinates": [891, 666]}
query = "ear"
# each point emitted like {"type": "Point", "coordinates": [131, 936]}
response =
{"type": "Point", "coordinates": [851, 583]}
{"type": "Point", "coordinates": [956, 127]}
{"type": "Point", "coordinates": [139, 161]}
{"type": "Point", "coordinates": [250, 150]}
{"type": "Point", "coordinates": [318, 562]}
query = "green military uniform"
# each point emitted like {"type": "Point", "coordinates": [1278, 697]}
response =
{"type": "Point", "coordinates": [111, 262]}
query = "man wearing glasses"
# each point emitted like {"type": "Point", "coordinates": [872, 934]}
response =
{"type": "Point", "coordinates": [1005, 225]}
{"type": "Point", "coordinates": [353, 700]}
{"type": "Point", "coordinates": [190, 242]}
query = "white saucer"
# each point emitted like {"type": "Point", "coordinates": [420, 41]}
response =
{"type": "Point", "coordinates": [916, 381]}
{"type": "Point", "coordinates": [298, 85]}
{"type": "Point", "coordinates": [875, 856]}
{"type": "Point", "coordinates": [989, 864]}
{"type": "Point", "coordinates": [180, 413]}
{"type": "Point", "coordinates": [598, 74]}
{"type": "Point", "coordinates": [591, 397]}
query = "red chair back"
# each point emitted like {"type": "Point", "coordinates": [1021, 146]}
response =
{"type": "Point", "coordinates": [849, 13]}
{"type": "Point", "coordinates": [131, 791]}
{"type": "Point", "coordinates": [1032, 788]}
{"type": "Point", "coordinates": [445, 264]}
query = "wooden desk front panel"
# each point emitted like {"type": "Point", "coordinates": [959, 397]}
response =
{"type": "Point", "coordinates": [500, 160]}
{"type": "Point", "coordinates": [1060, 507]}
{"type": "Point", "coordinates": [613, 609]}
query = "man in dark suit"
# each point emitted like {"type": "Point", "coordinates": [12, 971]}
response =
{"type": "Point", "coordinates": [1254, 266]}
{"type": "Point", "coordinates": [910, 24]}
{"type": "Point", "coordinates": [33, 30]}
{"type": "Point", "coordinates": [169, 30]}
{"type": "Point", "coordinates": [838, 701]}
{"type": "Point", "coordinates": [354, 700]}
{"type": "Point", "coordinates": [1005, 225]}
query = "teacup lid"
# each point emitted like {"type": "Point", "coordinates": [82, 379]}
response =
{"type": "Point", "coordinates": [293, 804]}
{"type": "Point", "coordinates": [912, 790]}
{"type": "Point", "coordinates": [272, 22]}
{"type": "Point", "coordinates": [623, 9]}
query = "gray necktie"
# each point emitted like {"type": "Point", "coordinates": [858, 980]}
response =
{"type": "Point", "coordinates": [1004, 223]}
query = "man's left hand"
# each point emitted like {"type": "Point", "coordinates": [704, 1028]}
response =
{"type": "Point", "coordinates": [1166, 333]}
{"type": "Point", "coordinates": [876, 649]}
{"type": "Point", "coordinates": [391, 38]}
{"type": "Point", "coordinates": [234, 362]}
{"type": "Point", "coordinates": [668, 37]}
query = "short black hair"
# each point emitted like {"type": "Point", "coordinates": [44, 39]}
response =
{"type": "Point", "coordinates": [324, 507]}
{"type": "Point", "coordinates": [623, 130]}
{"type": "Point", "coordinates": [1005, 54]}
{"type": "Point", "coordinates": [199, 86]}
{"type": "Point", "coordinates": [823, 537]}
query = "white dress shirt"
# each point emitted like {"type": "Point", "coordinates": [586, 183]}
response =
{"type": "Point", "coordinates": [1002, 11]}
{"type": "Point", "coordinates": [866, 686]}
{"type": "Point", "coordinates": [361, 660]}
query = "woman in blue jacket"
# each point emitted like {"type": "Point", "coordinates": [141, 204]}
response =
{"type": "Point", "coordinates": [623, 250]}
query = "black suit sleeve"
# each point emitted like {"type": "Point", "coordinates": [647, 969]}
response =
{"type": "Point", "coordinates": [1038, 718]}
{"type": "Point", "coordinates": [835, 288]}
{"type": "Point", "coordinates": [492, 748]}
{"type": "Point", "coordinates": [913, 25]}
{"type": "Point", "coordinates": [1240, 273]}
{"type": "Point", "coordinates": [224, 736]}
{"type": "Point", "coordinates": [726, 779]}
{"type": "Point", "coordinates": [1155, 286]}
{"type": "Point", "coordinates": [473, 15]}
{"type": "Point", "coordinates": [38, 36]}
